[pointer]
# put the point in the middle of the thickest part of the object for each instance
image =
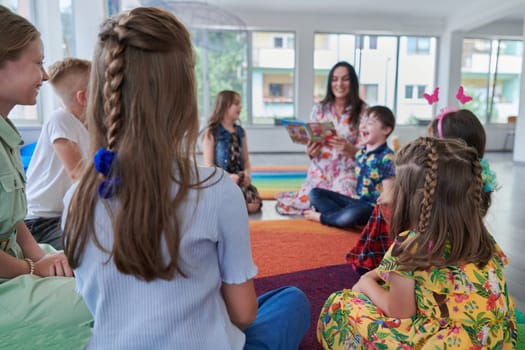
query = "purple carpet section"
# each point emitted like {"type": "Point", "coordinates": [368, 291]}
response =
{"type": "Point", "coordinates": [317, 284]}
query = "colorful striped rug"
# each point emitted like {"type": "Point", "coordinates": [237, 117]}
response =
{"type": "Point", "coordinates": [305, 254]}
{"type": "Point", "coordinates": [271, 180]}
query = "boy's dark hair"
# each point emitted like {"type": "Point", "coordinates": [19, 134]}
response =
{"type": "Point", "coordinates": [384, 115]}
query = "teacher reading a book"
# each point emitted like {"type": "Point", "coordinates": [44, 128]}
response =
{"type": "Point", "coordinates": [332, 162]}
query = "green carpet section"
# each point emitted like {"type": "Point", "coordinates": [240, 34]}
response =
{"type": "Point", "coordinates": [520, 319]}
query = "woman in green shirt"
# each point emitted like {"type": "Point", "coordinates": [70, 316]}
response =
{"type": "Point", "coordinates": [36, 288]}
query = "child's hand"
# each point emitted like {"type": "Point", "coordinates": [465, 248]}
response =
{"type": "Point", "coordinates": [54, 264]}
{"type": "Point", "coordinates": [313, 149]}
{"type": "Point", "coordinates": [385, 198]}
{"type": "Point", "coordinates": [247, 180]}
{"type": "Point", "coordinates": [362, 286]}
{"type": "Point", "coordinates": [338, 143]}
{"type": "Point", "coordinates": [235, 178]}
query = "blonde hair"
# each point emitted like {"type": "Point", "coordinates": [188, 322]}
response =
{"type": "Point", "coordinates": [223, 101]}
{"type": "Point", "coordinates": [17, 33]}
{"type": "Point", "coordinates": [68, 77]}
{"type": "Point", "coordinates": [142, 105]}
{"type": "Point", "coordinates": [438, 194]}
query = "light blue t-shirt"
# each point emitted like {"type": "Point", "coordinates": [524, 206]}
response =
{"type": "Point", "coordinates": [184, 313]}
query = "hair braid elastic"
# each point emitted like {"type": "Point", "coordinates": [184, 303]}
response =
{"type": "Point", "coordinates": [431, 170]}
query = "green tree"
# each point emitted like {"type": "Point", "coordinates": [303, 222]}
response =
{"type": "Point", "coordinates": [221, 65]}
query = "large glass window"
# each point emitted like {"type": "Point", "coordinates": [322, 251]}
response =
{"type": "Point", "coordinates": [68, 28]}
{"type": "Point", "coordinates": [221, 65]}
{"type": "Point", "coordinates": [393, 70]}
{"type": "Point", "coordinates": [418, 70]}
{"type": "Point", "coordinates": [377, 66]}
{"type": "Point", "coordinates": [272, 76]}
{"type": "Point", "coordinates": [329, 49]}
{"type": "Point", "coordinates": [491, 73]}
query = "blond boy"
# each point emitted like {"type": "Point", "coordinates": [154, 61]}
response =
{"type": "Point", "coordinates": [60, 151]}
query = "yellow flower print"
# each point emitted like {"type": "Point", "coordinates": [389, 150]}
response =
{"type": "Point", "coordinates": [388, 157]}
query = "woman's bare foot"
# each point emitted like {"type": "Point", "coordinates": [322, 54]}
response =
{"type": "Point", "coordinates": [312, 215]}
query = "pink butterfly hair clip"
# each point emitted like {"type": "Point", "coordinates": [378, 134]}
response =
{"type": "Point", "coordinates": [461, 97]}
{"type": "Point", "coordinates": [432, 98]}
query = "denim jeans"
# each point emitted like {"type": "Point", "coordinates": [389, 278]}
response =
{"type": "Point", "coordinates": [339, 210]}
{"type": "Point", "coordinates": [282, 320]}
{"type": "Point", "coordinates": [46, 230]}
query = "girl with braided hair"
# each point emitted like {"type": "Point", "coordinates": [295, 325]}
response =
{"type": "Point", "coordinates": [441, 283]}
{"type": "Point", "coordinates": [160, 260]}
{"type": "Point", "coordinates": [450, 123]}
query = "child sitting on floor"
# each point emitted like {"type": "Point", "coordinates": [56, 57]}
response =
{"type": "Point", "coordinates": [441, 284]}
{"type": "Point", "coordinates": [60, 151]}
{"type": "Point", "coordinates": [374, 171]}
{"type": "Point", "coordinates": [225, 145]}
{"type": "Point", "coordinates": [38, 301]}
{"type": "Point", "coordinates": [160, 246]}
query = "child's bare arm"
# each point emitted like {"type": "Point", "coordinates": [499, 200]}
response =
{"type": "Point", "coordinates": [208, 145]}
{"type": "Point", "coordinates": [246, 161]}
{"type": "Point", "coordinates": [71, 157]}
{"type": "Point", "coordinates": [241, 303]}
{"type": "Point", "coordinates": [398, 301]}
{"type": "Point", "coordinates": [388, 191]}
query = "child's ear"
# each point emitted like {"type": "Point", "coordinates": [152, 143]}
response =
{"type": "Point", "coordinates": [81, 97]}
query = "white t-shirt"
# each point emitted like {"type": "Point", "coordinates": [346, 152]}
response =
{"type": "Point", "coordinates": [182, 313]}
{"type": "Point", "coordinates": [47, 179]}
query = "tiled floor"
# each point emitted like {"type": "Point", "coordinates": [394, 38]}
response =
{"type": "Point", "coordinates": [505, 220]}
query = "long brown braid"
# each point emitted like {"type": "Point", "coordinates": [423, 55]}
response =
{"type": "Point", "coordinates": [431, 171]}
{"type": "Point", "coordinates": [114, 75]}
{"type": "Point", "coordinates": [438, 194]}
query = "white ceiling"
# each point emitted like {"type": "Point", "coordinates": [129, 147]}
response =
{"type": "Point", "coordinates": [472, 13]}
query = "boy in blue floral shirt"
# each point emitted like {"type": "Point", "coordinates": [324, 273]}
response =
{"type": "Point", "coordinates": [374, 170]}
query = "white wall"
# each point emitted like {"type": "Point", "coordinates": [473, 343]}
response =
{"type": "Point", "coordinates": [519, 144]}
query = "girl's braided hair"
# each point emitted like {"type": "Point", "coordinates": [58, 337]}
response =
{"type": "Point", "coordinates": [438, 194]}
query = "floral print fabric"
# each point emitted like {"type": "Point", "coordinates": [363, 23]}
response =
{"type": "Point", "coordinates": [330, 170]}
{"type": "Point", "coordinates": [458, 307]}
{"type": "Point", "coordinates": [371, 168]}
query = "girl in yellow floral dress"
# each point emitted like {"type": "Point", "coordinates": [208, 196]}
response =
{"type": "Point", "coordinates": [441, 284]}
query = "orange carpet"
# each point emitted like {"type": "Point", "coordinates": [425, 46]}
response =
{"type": "Point", "coordinates": [282, 246]}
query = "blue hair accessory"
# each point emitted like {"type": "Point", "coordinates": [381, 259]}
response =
{"type": "Point", "coordinates": [103, 161]}
{"type": "Point", "coordinates": [107, 188]}
{"type": "Point", "coordinates": [488, 177]}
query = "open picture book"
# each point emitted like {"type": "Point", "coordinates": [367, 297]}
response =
{"type": "Point", "coordinates": [302, 132]}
